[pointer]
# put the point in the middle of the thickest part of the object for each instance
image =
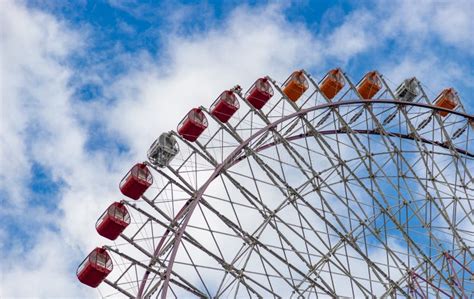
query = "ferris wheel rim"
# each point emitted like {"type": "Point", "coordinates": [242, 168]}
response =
{"type": "Point", "coordinates": [222, 166]}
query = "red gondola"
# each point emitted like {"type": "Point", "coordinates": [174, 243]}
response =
{"type": "Point", "coordinates": [136, 181]}
{"type": "Point", "coordinates": [192, 125]}
{"type": "Point", "coordinates": [113, 221]}
{"type": "Point", "coordinates": [95, 268]}
{"type": "Point", "coordinates": [225, 106]}
{"type": "Point", "coordinates": [259, 94]}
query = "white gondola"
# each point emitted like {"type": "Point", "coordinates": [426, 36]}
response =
{"type": "Point", "coordinates": [163, 150]}
{"type": "Point", "coordinates": [408, 90]}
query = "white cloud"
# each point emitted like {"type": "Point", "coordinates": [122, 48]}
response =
{"type": "Point", "coordinates": [45, 272]}
{"type": "Point", "coordinates": [453, 22]}
{"type": "Point", "coordinates": [39, 125]}
{"type": "Point", "coordinates": [450, 21]}
{"type": "Point", "coordinates": [41, 122]}
{"type": "Point", "coordinates": [248, 45]}
{"type": "Point", "coordinates": [354, 36]}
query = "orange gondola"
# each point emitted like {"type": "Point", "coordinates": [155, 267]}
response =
{"type": "Point", "coordinates": [295, 85]}
{"type": "Point", "coordinates": [448, 99]}
{"type": "Point", "coordinates": [369, 85]}
{"type": "Point", "coordinates": [332, 83]}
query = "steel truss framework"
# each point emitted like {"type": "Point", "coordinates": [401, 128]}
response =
{"type": "Point", "coordinates": [315, 199]}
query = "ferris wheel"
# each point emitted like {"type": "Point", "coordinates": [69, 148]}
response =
{"type": "Point", "coordinates": [307, 188]}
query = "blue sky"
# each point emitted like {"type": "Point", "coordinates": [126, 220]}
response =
{"type": "Point", "coordinates": [86, 86]}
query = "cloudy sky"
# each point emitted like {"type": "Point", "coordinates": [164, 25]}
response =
{"type": "Point", "coordinates": [86, 86]}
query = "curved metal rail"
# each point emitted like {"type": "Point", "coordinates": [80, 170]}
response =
{"type": "Point", "coordinates": [233, 158]}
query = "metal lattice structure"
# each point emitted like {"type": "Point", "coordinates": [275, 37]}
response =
{"type": "Point", "coordinates": [316, 198]}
